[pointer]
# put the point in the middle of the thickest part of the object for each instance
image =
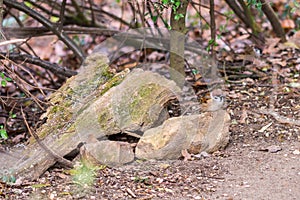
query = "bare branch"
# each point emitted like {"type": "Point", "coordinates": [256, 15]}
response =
{"type": "Point", "coordinates": [212, 28]}
{"type": "Point", "coordinates": [272, 17]}
{"type": "Point", "coordinates": [53, 67]}
{"type": "Point", "coordinates": [57, 157]}
{"type": "Point", "coordinates": [40, 18]}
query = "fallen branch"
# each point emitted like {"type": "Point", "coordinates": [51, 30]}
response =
{"type": "Point", "coordinates": [57, 157]}
{"type": "Point", "coordinates": [49, 25]}
{"type": "Point", "coordinates": [53, 67]}
{"type": "Point", "coordinates": [279, 118]}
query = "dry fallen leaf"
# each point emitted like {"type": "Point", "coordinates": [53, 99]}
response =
{"type": "Point", "coordinates": [264, 128]}
{"type": "Point", "coordinates": [294, 41]}
{"type": "Point", "coordinates": [244, 116]}
{"type": "Point", "coordinates": [271, 45]}
{"type": "Point", "coordinates": [288, 24]}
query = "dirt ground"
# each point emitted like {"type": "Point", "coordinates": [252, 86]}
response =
{"type": "Point", "coordinates": [261, 162]}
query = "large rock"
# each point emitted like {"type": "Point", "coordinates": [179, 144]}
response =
{"type": "Point", "coordinates": [204, 132]}
{"type": "Point", "coordinates": [94, 104]}
{"type": "Point", "coordinates": [111, 153]}
{"type": "Point", "coordinates": [98, 104]}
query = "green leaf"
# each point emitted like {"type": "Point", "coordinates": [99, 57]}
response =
{"type": "Point", "coordinates": [205, 26]}
{"type": "Point", "coordinates": [195, 71]}
{"type": "Point", "coordinates": [207, 48]}
{"type": "Point", "coordinates": [259, 6]}
{"type": "Point", "coordinates": [177, 4]}
{"type": "Point", "coordinates": [54, 19]}
{"type": "Point", "coordinates": [12, 115]}
{"type": "Point", "coordinates": [211, 41]}
{"type": "Point", "coordinates": [3, 133]}
{"type": "Point", "coordinates": [3, 83]}
{"type": "Point", "coordinates": [154, 18]}
{"type": "Point", "coordinates": [293, 10]}
{"type": "Point", "coordinates": [165, 1]}
{"type": "Point", "coordinates": [178, 16]}
{"type": "Point", "coordinates": [222, 28]}
{"type": "Point", "coordinates": [9, 179]}
{"type": "Point", "coordinates": [28, 4]}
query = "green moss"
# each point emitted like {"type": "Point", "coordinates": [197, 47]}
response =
{"type": "Point", "coordinates": [114, 81]}
{"type": "Point", "coordinates": [105, 119]}
{"type": "Point", "coordinates": [69, 91]}
{"type": "Point", "coordinates": [81, 88]}
{"type": "Point", "coordinates": [68, 104]}
{"type": "Point", "coordinates": [72, 128]}
{"type": "Point", "coordinates": [58, 117]}
{"type": "Point", "coordinates": [141, 100]}
{"type": "Point", "coordinates": [55, 109]}
{"type": "Point", "coordinates": [107, 73]}
{"type": "Point", "coordinates": [66, 135]}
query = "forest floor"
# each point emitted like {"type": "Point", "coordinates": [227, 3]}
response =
{"type": "Point", "coordinates": [261, 161]}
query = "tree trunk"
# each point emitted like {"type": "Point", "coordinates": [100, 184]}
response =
{"type": "Point", "coordinates": [177, 42]}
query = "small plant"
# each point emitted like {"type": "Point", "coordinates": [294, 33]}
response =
{"type": "Point", "coordinates": [139, 179]}
{"type": "Point", "coordinates": [3, 132]}
{"type": "Point", "coordinates": [4, 79]}
{"type": "Point", "coordinates": [210, 43]}
{"type": "Point", "coordinates": [256, 3]}
{"type": "Point", "coordinates": [7, 177]}
{"type": "Point", "coordinates": [290, 11]}
{"type": "Point", "coordinates": [85, 173]}
{"type": "Point", "coordinates": [175, 5]}
{"type": "Point", "coordinates": [294, 8]}
{"type": "Point", "coordinates": [12, 115]}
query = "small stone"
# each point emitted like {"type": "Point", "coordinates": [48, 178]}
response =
{"type": "Point", "coordinates": [274, 149]}
{"type": "Point", "coordinates": [296, 152]}
{"type": "Point", "coordinates": [112, 153]}
{"type": "Point", "coordinates": [203, 154]}
{"type": "Point", "coordinates": [271, 149]}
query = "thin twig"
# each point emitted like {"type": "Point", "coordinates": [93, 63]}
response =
{"type": "Point", "coordinates": [57, 157]}
{"type": "Point", "coordinates": [92, 12]}
{"type": "Point", "coordinates": [212, 28]}
{"type": "Point", "coordinates": [11, 41]}
{"type": "Point", "coordinates": [43, 20]}
{"type": "Point", "coordinates": [53, 67]}
{"type": "Point", "coordinates": [132, 134]}
{"type": "Point", "coordinates": [62, 15]}
{"type": "Point", "coordinates": [278, 117]}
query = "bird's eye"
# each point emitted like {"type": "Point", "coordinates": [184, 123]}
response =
{"type": "Point", "coordinates": [218, 98]}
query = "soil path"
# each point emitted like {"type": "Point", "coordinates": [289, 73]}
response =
{"type": "Point", "coordinates": [254, 174]}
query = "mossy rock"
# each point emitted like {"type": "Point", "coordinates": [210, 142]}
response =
{"type": "Point", "coordinates": [96, 104]}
